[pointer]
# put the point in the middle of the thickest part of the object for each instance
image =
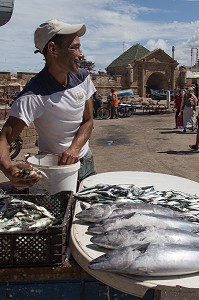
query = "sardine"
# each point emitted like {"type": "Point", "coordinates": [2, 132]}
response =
{"type": "Point", "coordinates": [41, 224]}
{"type": "Point", "coordinates": [150, 260]}
{"type": "Point", "coordinates": [17, 215]}
{"type": "Point", "coordinates": [33, 172]}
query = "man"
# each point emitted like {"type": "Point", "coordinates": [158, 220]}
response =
{"type": "Point", "coordinates": [195, 146]}
{"type": "Point", "coordinates": [97, 103]}
{"type": "Point", "coordinates": [114, 104]}
{"type": "Point", "coordinates": [59, 102]}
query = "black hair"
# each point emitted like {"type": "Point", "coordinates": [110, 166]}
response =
{"type": "Point", "coordinates": [57, 39]}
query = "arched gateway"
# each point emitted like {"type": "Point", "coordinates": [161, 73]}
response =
{"type": "Point", "coordinates": [143, 70]}
{"type": "Point", "coordinates": [157, 81]}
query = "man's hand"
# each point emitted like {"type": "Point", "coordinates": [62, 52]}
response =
{"type": "Point", "coordinates": [68, 157]}
{"type": "Point", "coordinates": [21, 179]}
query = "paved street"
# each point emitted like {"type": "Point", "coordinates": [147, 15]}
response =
{"type": "Point", "coordinates": [141, 143]}
{"type": "Point", "coordinates": [144, 143]}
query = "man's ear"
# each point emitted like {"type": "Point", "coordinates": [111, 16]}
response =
{"type": "Point", "coordinates": [52, 48]}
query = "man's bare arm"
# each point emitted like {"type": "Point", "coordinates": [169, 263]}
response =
{"type": "Point", "coordinates": [12, 128]}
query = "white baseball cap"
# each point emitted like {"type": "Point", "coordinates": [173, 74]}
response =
{"type": "Point", "coordinates": [48, 29]}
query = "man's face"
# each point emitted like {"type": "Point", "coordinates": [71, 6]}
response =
{"type": "Point", "coordinates": [70, 54]}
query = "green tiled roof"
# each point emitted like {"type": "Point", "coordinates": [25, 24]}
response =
{"type": "Point", "coordinates": [128, 57]}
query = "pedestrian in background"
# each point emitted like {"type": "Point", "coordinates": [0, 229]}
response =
{"type": "Point", "coordinates": [97, 103]}
{"type": "Point", "coordinates": [196, 91]}
{"type": "Point", "coordinates": [114, 104]}
{"type": "Point", "coordinates": [188, 108]}
{"type": "Point", "coordinates": [177, 106]}
{"type": "Point", "coordinates": [195, 146]}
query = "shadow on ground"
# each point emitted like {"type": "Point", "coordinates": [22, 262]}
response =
{"type": "Point", "coordinates": [175, 152]}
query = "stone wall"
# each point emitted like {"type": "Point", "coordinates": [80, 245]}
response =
{"type": "Point", "coordinates": [5, 75]}
{"type": "Point", "coordinates": [104, 83]}
{"type": "Point", "coordinates": [29, 136]}
{"type": "Point", "coordinates": [26, 76]}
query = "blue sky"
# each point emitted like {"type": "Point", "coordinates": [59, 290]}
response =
{"type": "Point", "coordinates": [113, 26]}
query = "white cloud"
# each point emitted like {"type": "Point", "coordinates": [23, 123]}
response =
{"type": "Point", "coordinates": [110, 23]}
{"type": "Point", "coordinates": [162, 44]}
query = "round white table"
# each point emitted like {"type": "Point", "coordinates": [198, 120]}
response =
{"type": "Point", "coordinates": [133, 285]}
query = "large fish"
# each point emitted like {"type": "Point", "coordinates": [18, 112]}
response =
{"type": "Point", "coordinates": [127, 236]}
{"type": "Point", "coordinates": [138, 220]}
{"type": "Point", "coordinates": [100, 212]}
{"type": "Point", "coordinates": [150, 260]}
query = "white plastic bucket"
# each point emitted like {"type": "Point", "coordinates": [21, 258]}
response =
{"type": "Point", "coordinates": [60, 178]}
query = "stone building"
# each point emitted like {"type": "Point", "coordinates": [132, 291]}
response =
{"type": "Point", "coordinates": [143, 70]}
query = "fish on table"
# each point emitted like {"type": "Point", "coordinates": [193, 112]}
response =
{"type": "Point", "coordinates": [104, 193]}
{"type": "Point", "coordinates": [110, 194]}
{"type": "Point", "coordinates": [139, 220]}
{"type": "Point", "coordinates": [101, 212]}
{"type": "Point", "coordinates": [150, 260]}
{"type": "Point", "coordinates": [127, 236]}
{"type": "Point", "coordinates": [142, 231]}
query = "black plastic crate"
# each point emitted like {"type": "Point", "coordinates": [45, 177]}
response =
{"type": "Point", "coordinates": [43, 248]}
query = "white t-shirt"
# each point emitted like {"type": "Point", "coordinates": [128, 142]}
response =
{"type": "Point", "coordinates": [56, 111]}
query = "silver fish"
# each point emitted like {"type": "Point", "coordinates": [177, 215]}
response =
{"type": "Point", "coordinates": [100, 212]}
{"type": "Point", "coordinates": [33, 172]}
{"type": "Point", "coordinates": [109, 192]}
{"type": "Point", "coordinates": [150, 260]}
{"type": "Point", "coordinates": [40, 224]}
{"type": "Point", "coordinates": [19, 214]}
{"type": "Point", "coordinates": [91, 189]}
{"type": "Point", "coordinates": [176, 200]}
{"type": "Point", "coordinates": [127, 236]}
{"type": "Point", "coordinates": [138, 220]}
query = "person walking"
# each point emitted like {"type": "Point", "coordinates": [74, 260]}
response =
{"type": "Point", "coordinates": [195, 146]}
{"type": "Point", "coordinates": [114, 104]}
{"type": "Point", "coordinates": [188, 108]}
{"type": "Point", "coordinates": [59, 102]}
{"type": "Point", "coordinates": [177, 106]}
{"type": "Point", "coordinates": [97, 103]}
{"type": "Point", "coordinates": [196, 90]}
